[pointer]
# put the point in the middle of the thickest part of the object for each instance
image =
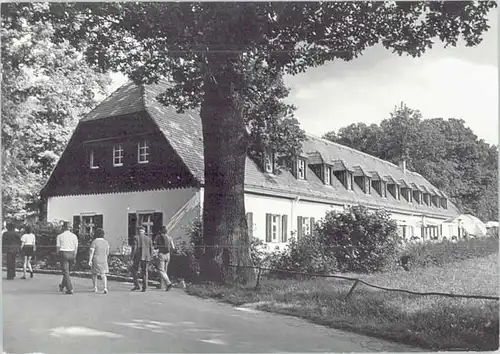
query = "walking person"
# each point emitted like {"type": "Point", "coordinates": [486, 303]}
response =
{"type": "Point", "coordinates": [98, 259]}
{"type": "Point", "coordinates": [67, 246]}
{"type": "Point", "coordinates": [165, 245]}
{"type": "Point", "coordinates": [142, 252]}
{"type": "Point", "coordinates": [28, 248]}
{"type": "Point", "coordinates": [10, 243]}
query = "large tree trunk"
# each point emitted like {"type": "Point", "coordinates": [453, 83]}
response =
{"type": "Point", "coordinates": [225, 146]}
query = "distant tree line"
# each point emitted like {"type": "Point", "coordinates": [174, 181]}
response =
{"type": "Point", "coordinates": [444, 151]}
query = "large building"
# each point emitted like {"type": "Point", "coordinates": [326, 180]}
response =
{"type": "Point", "coordinates": [132, 161]}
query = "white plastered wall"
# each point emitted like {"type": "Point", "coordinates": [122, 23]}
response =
{"type": "Point", "coordinates": [180, 204]}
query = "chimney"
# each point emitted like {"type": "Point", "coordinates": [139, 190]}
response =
{"type": "Point", "coordinates": [402, 165]}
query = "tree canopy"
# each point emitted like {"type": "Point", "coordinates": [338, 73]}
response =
{"type": "Point", "coordinates": [46, 87]}
{"type": "Point", "coordinates": [444, 151]}
{"type": "Point", "coordinates": [226, 56]}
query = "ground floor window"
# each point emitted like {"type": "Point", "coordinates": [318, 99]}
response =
{"type": "Point", "coordinates": [85, 225]}
{"type": "Point", "coordinates": [305, 226]}
{"type": "Point", "coordinates": [276, 228]}
{"type": "Point", "coordinates": [88, 225]}
{"type": "Point", "coordinates": [402, 231]}
{"type": "Point", "coordinates": [152, 222]}
{"type": "Point", "coordinates": [146, 220]}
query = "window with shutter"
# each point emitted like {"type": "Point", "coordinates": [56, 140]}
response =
{"type": "Point", "coordinates": [249, 217]}
{"type": "Point", "coordinates": [299, 227]}
{"type": "Point", "coordinates": [301, 169]}
{"type": "Point", "coordinates": [284, 228]}
{"type": "Point", "coordinates": [268, 227]}
{"type": "Point", "coordinates": [88, 225]}
{"type": "Point", "coordinates": [76, 224]}
{"type": "Point", "coordinates": [275, 228]}
{"type": "Point", "coordinates": [146, 220]}
{"type": "Point", "coordinates": [269, 161]}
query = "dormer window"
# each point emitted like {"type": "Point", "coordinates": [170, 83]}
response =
{"type": "Point", "coordinates": [394, 190]}
{"type": "Point", "coordinates": [444, 203]}
{"type": "Point", "coordinates": [417, 196]}
{"type": "Point", "coordinates": [346, 178]}
{"type": "Point", "coordinates": [301, 169]}
{"type": "Point", "coordinates": [426, 199]}
{"type": "Point", "coordinates": [143, 152]}
{"type": "Point", "coordinates": [434, 199]}
{"type": "Point", "coordinates": [93, 164]}
{"type": "Point", "coordinates": [117, 155]}
{"type": "Point", "coordinates": [328, 174]}
{"type": "Point", "coordinates": [406, 192]}
{"type": "Point", "coordinates": [364, 183]}
{"type": "Point", "coordinates": [269, 162]}
{"type": "Point", "coordinates": [380, 186]}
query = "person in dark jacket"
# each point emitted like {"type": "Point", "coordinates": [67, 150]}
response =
{"type": "Point", "coordinates": [142, 253]}
{"type": "Point", "coordinates": [11, 242]}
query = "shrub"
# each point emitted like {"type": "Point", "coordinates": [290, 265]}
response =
{"type": "Point", "coordinates": [360, 240]}
{"type": "Point", "coordinates": [445, 252]}
{"type": "Point", "coordinates": [260, 256]}
{"type": "Point", "coordinates": [304, 255]}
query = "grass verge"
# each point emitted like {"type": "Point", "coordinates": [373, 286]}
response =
{"type": "Point", "coordinates": [434, 323]}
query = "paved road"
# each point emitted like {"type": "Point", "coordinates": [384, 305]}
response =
{"type": "Point", "coordinates": [37, 318]}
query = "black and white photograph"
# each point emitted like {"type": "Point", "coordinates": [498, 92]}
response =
{"type": "Point", "coordinates": [249, 177]}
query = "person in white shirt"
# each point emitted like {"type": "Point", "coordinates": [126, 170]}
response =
{"type": "Point", "coordinates": [67, 246]}
{"type": "Point", "coordinates": [28, 247]}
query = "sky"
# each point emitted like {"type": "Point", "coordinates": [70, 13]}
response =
{"type": "Point", "coordinates": [454, 82]}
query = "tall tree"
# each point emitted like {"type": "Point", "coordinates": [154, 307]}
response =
{"type": "Point", "coordinates": [46, 87]}
{"type": "Point", "coordinates": [365, 137]}
{"type": "Point", "coordinates": [207, 50]}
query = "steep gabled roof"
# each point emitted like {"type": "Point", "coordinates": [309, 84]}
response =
{"type": "Point", "coordinates": [126, 100]}
{"type": "Point", "coordinates": [183, 130]}
{"type": "Point", "coordinates": [184, 133]}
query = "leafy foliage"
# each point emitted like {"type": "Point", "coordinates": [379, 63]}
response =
{"type": "Point", "coordinates": [308, 254]}
{"type": "Point", "coordinates": [360, 240]}
{"type": "Point", "coordinates": [455, 160]}
{"type": "Point", "coordinates": [46, 88]}
{"type": "Point", "coordinates": [445, 252]}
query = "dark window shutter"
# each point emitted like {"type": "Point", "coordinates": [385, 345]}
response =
{"type": "Point", "coordinates": [98, 221]}
{"type": "Point", "coordinates": [76, 225]}
{"type": "Point", "coordinates": [132, 225]}
{"type": "Point", "coordinates": [294, 168]}
{"type": "Point", "coordinates": [312, 225]}
{"type": "Point", "coordinates": [268, 227]}
{"type": "Point", "coordinates": [250, 225]}
{"type": "Point", "coordinates": [284, 228]}
{"type": "Point", "coordinates": [299, 227]}
{"type": "Point", "coordinates": [157, 223]}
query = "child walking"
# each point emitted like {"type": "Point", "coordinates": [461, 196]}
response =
{"type": "Point", "coordinates": [98, 259]}
{"type": "Point", "coordinates": [27, 249]}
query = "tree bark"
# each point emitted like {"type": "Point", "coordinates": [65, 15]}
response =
{"type": "Point", "coordinates": [225, 141]}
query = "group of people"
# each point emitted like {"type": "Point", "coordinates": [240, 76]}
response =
{"type": "Point", "coordinates": [144, 251]}
{"type": "Point", "coordinates": [13, 244]}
